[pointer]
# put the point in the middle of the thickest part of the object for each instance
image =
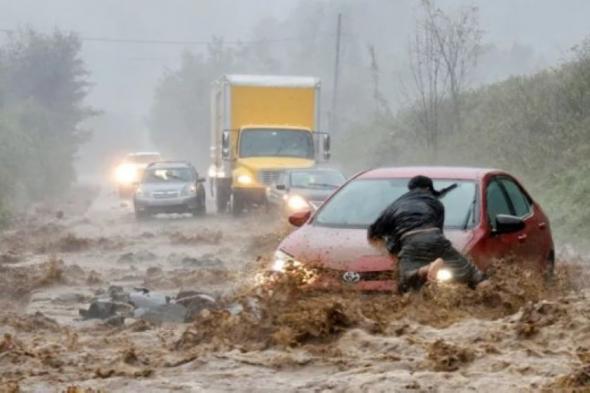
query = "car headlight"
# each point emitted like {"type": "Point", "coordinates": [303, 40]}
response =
{"type": "Point", "coordinates": [297, 202]}
{"type": "Point", "coordinates": [126, 174]}
{"type": "Point", "coordinates": [444, 275]}
{"type": "Point", "coordinates": [245, 180]}
{"type": "Point", "coordinates": [282, 259]}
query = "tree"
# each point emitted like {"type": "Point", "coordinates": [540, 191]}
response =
{"type": "Point", "coordinates": [43, 84]}
{"type": "Point", "coordinates": [443, 52]}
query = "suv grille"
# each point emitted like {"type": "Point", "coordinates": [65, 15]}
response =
{"type": "Point", "coordinates": [268, 177]}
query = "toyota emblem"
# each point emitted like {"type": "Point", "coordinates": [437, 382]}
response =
{"type": "Point", "coordinates": [351, 277]}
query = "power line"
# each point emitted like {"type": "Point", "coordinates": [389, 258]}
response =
{"type": "Point", "coordinates": [112, 40]}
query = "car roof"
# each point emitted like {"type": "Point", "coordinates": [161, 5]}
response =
{"type": "Point", "coordinates": [170, 164]}
{"type": "Point", "coordinates": [434, 172]}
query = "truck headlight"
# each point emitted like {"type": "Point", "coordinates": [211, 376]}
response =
{"type": "Point", "coordinates": [245, 180]}
{"type": "Point", "coordinates": [297, 202]}
{"type": "Point", "coordinates": [126, 174]}
{"type": "Point", "coordinates": [444, 275]}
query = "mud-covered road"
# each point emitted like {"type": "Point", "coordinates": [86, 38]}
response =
{"type": "Point", "coordinates": [517, 335]}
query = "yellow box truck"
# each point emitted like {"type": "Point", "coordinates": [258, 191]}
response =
{"type": "Point", "coordinates": [260, 126]}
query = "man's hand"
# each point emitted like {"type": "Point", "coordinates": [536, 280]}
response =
{"type": "Point", "coordinates": [376, 242]}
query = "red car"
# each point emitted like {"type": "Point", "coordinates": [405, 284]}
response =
{"type": "Point", "coordinates": [488, 216]}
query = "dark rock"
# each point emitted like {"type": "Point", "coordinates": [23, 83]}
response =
{"type": "Point", "coordinates": [195, 302]}
{"type": "Point", "coordinates": [163, 313]}
{"type": "Point", "coordinates": [115, 321]}
{"type": "Point", "coordinates": [99, 310]}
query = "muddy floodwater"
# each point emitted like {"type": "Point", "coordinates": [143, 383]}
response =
{"type": "Point", "coordinates": [521, 334]}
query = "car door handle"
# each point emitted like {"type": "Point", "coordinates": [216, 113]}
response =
{"type": "Point", "coordinates": [542, 225]}
{"type": "Point", "coordinates": [522, 238]}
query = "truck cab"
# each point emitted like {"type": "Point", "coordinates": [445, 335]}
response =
{"type": "Point", "coordinates": [262, 126]}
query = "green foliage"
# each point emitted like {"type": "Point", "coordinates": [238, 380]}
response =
{"type": "Point", "coordinates": [537, 127]}
{"type": "Point", "coordinates": [42, 87]}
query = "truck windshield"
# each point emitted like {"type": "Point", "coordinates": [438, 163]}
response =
{"type": "Point", "coordinates": [271, 142]}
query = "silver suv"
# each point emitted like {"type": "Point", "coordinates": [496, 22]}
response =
{"type": "Point", "coordinates": [169, 187]}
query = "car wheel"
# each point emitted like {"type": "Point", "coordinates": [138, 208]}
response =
{"type": "Point", "coordinates": [141, 214]}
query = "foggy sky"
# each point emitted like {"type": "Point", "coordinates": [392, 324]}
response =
{"type": "Point", "coordinates": [124, 75]}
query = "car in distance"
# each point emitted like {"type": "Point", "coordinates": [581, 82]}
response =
{"type": "Point", "coordinates": [169, 187]}
{"type": "Point", "coordinates": [488, 216]}
{"type": "Point", "coordinates": [130, 170]}
{"type": "Point", "coordinates": [300, 189]}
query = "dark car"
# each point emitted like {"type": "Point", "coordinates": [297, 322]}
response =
{"type": "Point", "coordinates": [488, 216]}
{"type": "Point", "coordinates": [169, 187]}
{"type": "Point", "coordinates": [300, 189]}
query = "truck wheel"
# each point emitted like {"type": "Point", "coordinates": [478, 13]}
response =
{"type": "Point", "coordinates": [222, 197]}
{"type": "Point", "coordinates": [237, 204]}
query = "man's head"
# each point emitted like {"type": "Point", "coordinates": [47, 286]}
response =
{"type": "Point", "coordinates": [423, 183]}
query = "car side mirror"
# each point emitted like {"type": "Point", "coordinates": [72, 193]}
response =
{"type": "Point", "coordinates": [281, 187]}
{"type": "Point", "coordinates": [201, 180]}
{"type": "Point", "coordinates": [299, 218]}
{"type": "Point", "coordinates": [506, 223]}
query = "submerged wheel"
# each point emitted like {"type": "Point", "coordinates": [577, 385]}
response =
{"type": "Point", "coordinates": [222, 196]}
{"type": "Point", "coordinates": [237, 204]}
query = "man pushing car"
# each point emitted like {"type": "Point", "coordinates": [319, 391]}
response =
{"type": "Point", "coordinates": [411, 228]}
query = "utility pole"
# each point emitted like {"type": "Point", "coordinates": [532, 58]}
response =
{"type": "Point", "coordinates": [334, 116]}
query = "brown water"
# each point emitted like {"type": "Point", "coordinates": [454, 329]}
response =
{"type": "Point", "coordinates": [519, 334]}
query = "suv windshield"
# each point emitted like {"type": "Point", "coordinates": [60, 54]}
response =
{"type": "Point", "coordinates": [276, 143]}
{"type": "Point", "coordinates": [321, 179]}
{"type": "Point", "coordinates": [168, 175]}
{"type": "Point", "coordinates": [360, 202]}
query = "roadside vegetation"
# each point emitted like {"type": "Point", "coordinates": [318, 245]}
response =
{"type": "Point", "coordinates": [43, 84]}
{"type": "Point", "coordinates": [431, 107]}
{"type": "Point", "coordinates": [535, 126]}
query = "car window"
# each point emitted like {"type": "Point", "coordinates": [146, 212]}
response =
{"type": "Point", "coordinates": [496, 201]}
{"type": "Point", "coordinates": [520, 202]}
{"type": "Point", "coordinates": [360, 202]}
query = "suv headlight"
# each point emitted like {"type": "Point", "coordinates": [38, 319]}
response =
{"type": "Point", "coordinates": [189, 190]}
{"type": "Point", "coordinates": [141, 193]}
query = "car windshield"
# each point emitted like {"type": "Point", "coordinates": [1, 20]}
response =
{"type": "Point", "coordinates": [359, 203]}
{"type": "Point", "coordinates": [321, 179]}
{"type": "Point", "coordinates": [276, 143]}
{"type": "Point", "coordinates": [168, 175]}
